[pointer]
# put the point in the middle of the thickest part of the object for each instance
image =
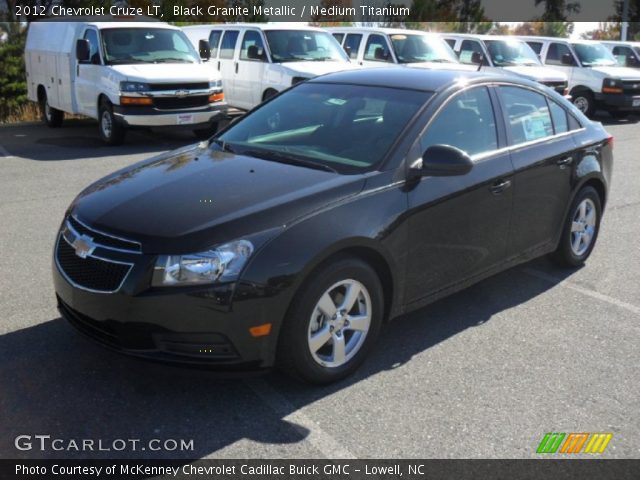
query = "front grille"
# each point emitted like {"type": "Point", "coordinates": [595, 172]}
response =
{"type": "Point", "coordinates": [631, 87]}
{"type": "Point", "coordinates": [90, 273]}
{"type": "Point", "coordinates": [104, 240]}
{"type": "Point", "coordinates": [179, 86]}
{"type": "Point", "coordinates": [175, 103]}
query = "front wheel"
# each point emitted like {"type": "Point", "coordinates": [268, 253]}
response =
{"type": "Point", "coordinates": [111, 131]}
{"type": "Point", "coordinates": [581, 228]}
{"type": "Point", "coordinates": [585, 102]}
{"type": "Point", "coordinates": [333, 322]}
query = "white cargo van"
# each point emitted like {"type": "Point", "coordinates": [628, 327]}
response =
{"type": "Point", "coordinates": [257, 61]}
{"type": "Point", "coordinates": [595, 78]}
{"type": "Point", "coordinates": [123, 74]}
{"type": "Point", "coordinates": [507, 55]}
{"type": "Point", "coordinates": [379, 47]}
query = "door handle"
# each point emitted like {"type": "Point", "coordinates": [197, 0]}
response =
{"type": "Point", "coordinates": [236, 67]}
{"type": "Point", "coordinates": [500, 186]}
{"type": "Point", "coordinates": [564, 161]}
{"type": "Point", "coordinates": [218, 65]}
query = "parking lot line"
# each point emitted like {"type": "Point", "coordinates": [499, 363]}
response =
{"type": "Point", "coordinates": [321, 440]}
{"type": "Point", "coordinates": [585, 291]}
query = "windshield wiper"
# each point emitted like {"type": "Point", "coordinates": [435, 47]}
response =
{"type": "Point", "coordinates": [124, 61]}
{"type": "Point", "coordinates": [440, 60]}
{"type": "Point", "coordinates": [168, 60]}
{"type": "Point", "coordinates": [224, 145]}
{"type": "Point", "coordinates": [288, 159]}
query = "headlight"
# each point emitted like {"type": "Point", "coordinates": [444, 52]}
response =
{"type": "Point", "coordinates": [215, 84]}
{"type": "Point", "coordinates": [221, 264]}
{"type": "Point", "coordinates": [612, 85]}
{"type": "Point", "coordinates": [134, 87]}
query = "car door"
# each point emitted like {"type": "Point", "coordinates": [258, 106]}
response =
{"type": "Point", "coordinates": [250, 73]}
{"type": "Point", "coordinates": [227, 66]}
{"type": "Point", "coordinates": [377, 52]}
{"type": "Point", "coordinates": [88, 75]}
{"type": "Point", "coordinates": [543, 153]}
{"type": "Point", "coordinates": [458, 226]}
{"type": "Point", "coordinates": [352, 43]}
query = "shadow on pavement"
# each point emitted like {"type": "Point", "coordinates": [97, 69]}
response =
{"type": "Point", "coordinates": [55, 382]}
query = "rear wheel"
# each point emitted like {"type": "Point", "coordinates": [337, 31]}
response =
{"type": "Point", "coordinates": [268, 94]}
{"type": "Point", "coordinates": [585, 102]}
{"type": "Point", "coordinates": [580, 230]}
{"type": "Point", "coordinates": [51, 116]}
{"type": "Point", "coordinates": [333, 322]}
{"type": "Point", "coordinates": [111, 131]}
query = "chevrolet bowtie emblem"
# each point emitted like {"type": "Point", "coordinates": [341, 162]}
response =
{"type": "Point", "coordinates": [83, 246]}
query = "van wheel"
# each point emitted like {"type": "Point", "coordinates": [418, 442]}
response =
{"type": "Point", "coordinates": [111, 131]}
{"type": "Point", "coordinates": [51, 116]}
{"type": "Point", "coordinates": [584, 101]}
{"type": "Point", "coordinates": [580, 230]}
{"type": "Point", "coordinates": [333, 322]}
{"type": "Point", "coordinates": [206, 133]}
{"type": "Point", "coordinates": [268, 94]}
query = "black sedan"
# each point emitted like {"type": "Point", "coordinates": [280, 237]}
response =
{"type": "Point", "coordinates": [291, 236]}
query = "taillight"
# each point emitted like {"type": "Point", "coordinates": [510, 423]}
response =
{"type": "Point", "coordinates": [610, 141]}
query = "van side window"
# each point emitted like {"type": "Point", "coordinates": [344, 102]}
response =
{"type": "Point", "coordinates": [214, 41]}
{"type": "Point", "coordinates": [352, 43]}
{"type": "Point", "coordinates": [451, 42]}
{"type": "Point", "coordinates": [377, 50]}
{"type": "Point", "coordinates": [621, 54]}
{"type": "Point", "coordinates": [228, 44]}
{"type": "Point", "coordinates": [536, 47]}
{"type": "Point", "coordinates": [338, 37]}
{"type": "Point", "coordinates": [467, 49]}
{"type": "Point", "coordinates": [467, 122]}
{"type": "Point", "coordinates": [556, 52]}
{"type": "Point", "coordinates": [527, 113]}
{"type": "Point", "coordinates": [94, 48]}
{"type": "Point", "coordinates": [251, 39]}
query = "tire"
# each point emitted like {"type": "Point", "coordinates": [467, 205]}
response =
{"type": "Point", "coordinates": [585, 102]}
{"type": "Point", "coordinates": [268, 94]}
{"type": "Point", "coordinates": [575, 247]}
{"type": "Point", "coordinates": [111, 131]}
{"type": "Point", "coordinates": [206, 133]}
{"type": "Point", "coordinates": [305, 321]}
{"type": "Point", "coordinates": [52, 117]}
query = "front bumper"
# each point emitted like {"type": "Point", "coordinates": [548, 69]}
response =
{"type": "Point", "coordinates": [152, 117]}
{"type": "Point", "coordinates": [185, 325]}
{"type": "Point", "coordinates": [619, 101]}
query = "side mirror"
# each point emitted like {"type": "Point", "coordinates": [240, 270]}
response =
{"type": "Point", "coordinates": [380, 54]}
{"type": "Point", "coordinates": [632, 61]}
{"type": "Point", "coordinates": [205, 49]}
{"type": "Point", "coordinates": [477, 58]}
{"type": "Point", "coordinates": [567, 59]}
{"type": "Point", "coordinates": [255, 53]}
{"type": "Point", "coordinates": [445, 161]}
{"type": "Point", "coordinates": [83, 50]}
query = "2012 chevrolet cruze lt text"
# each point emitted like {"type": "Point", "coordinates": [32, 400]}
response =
{"type": "Point", "coordinates": [292, 235]}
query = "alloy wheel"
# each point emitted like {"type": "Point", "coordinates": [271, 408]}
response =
{"type": "Point", "coordinates": [583, 227]}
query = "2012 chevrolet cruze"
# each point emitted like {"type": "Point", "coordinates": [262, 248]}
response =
{"type": "Point", "coordinates": [349, 199]}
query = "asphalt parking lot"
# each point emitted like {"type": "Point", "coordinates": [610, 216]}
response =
{"type": "Point", "coordinates": [484, 373]}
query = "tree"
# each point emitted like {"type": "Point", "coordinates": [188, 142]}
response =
{"type": "Point", "coordinates": [555, 10]}
{"type": "Point", "coordinates": [13, 82]}
{"type": "Point", "coordinates": [463, 13]}
{"type": "Point", "coordinates": [633, 33]}
{"type": "Point", "coordinates": [548, 29]}
{"type": "Point", "coordinates": [605, 31]}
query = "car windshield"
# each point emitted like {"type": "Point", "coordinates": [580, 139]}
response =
{"type": "Point", "coordinates": [421, 48]}
{"type": "Point", "coordinates": [304, 45]}
{"type": "Point", "coordinates": [347, 128]}
{"type": "Point", "coordinates": [147, 45]}
{"type": "Point", "coordinates": [511, 52]}
{"type": "Point", "coordinates": [594, 54]}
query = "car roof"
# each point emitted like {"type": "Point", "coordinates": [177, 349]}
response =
{"type": "Point", "coordinates": [410, 78]}
{"type": "Point", "coordinates": [256, 26]}
{"type": "Point", "coordinates": [108, 21]}
{"type": "Point", "coordinates": [389, 31]}
{"type": "Point", "coordinates": [482, 37]}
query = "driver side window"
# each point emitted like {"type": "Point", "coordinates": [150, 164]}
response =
{"type": "Point", "coordinates": [467, 122]}
{"type": "Point", "coordinates": [94, 48]}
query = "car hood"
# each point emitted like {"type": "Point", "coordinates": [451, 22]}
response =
{"type": "Point", "coordinates": [443, 66]}
{"type": "Point", "coordinates": [194, 198]}
{"type": "Point", "coordinates": [165, 72]}
{"type": "Point", "coordinates": [313, 69]}
{"type": "Point", "coordinates": [537, 73]}
{"type": "Point", "coordinates": [618, 72]}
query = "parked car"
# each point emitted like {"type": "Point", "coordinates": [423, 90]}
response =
{"type": "Point", "coordinates": [345, 201]}
{"type": "Point", "coordinates": [507, 55]}
{"type": "Point", "coordinates": [257, 61]}
{"type": "Point", "coordinates": [595, 78]}
{"type": "Point", "coordinates": [123, 74]}
{"type": "Point", "coordinates": [627, 54]}
{"type": "Point", "coordinates": [379, 47]}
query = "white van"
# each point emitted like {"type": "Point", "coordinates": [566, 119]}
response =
{"type": "Point", "coordinates": [379, 47]}
{"type": "Point", "coordinates": [595, 78]}
{"type": "Point", "coordinates": [123, 74]}
{"type": "Point", "coordinates": [507, 55]}
{"type": "Point", "coordinates": [627, 53]}
{"type": "Point", "coordinates": [257, 61]}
